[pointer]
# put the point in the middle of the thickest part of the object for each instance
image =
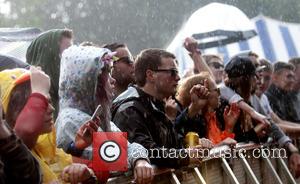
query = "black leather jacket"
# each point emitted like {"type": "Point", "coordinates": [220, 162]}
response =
{"type": "Point", "coordinates": [143, 118]}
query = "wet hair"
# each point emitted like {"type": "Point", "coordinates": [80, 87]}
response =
{"type": "Point", "coordinates": [68, 33]}
{"type": "Point", "coordinates": [149, 59]}
{"type": "Point", "coordinates": [87, 43]}
{"type": "Point", "coordinates": [295, 61]}
{"type": "Point", "coordinates": [241, 85]}
{"type": "Point", "coordinates": [279, 66]}
{"type": "Point", "coordinates": [187, 84]}
{"type": "Point", "coordinates": [265, 65]}
{"type": "Point", "coordinates": [18, 98]}
{"type": "Point", "coordinates": [114, 46]}
{"type": "Point", "coordinates": [104, 100]}
{"type": "Point", "coordinates": [251, 53]}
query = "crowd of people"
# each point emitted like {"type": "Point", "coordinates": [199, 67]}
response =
{"type": "Point", "coordinates": [47, 103]}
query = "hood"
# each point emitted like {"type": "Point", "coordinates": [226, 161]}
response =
{"type": "Point", "coordinates": [44, 52]}
{"type": "Point", "coordinates": [80, 68]}
{"type": "Point", "coordinates": [8, 80]}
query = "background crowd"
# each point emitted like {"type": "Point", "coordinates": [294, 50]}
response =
{"type": "Point", "coordinates": [47, 104]}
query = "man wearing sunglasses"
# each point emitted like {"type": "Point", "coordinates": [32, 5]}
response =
{"type": "Point", "coordinates": [122, 71]}
{"type": "Point", "coordinates": [140, 110]}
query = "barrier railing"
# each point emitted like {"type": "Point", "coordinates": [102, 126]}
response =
{"type": "Point", "coordinates": [240, 166]}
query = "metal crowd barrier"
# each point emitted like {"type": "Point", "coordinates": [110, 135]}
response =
{"type": "Point", "coordinates": [221, 169]}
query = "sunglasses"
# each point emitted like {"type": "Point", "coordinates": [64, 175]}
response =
{"type": "Point", "coordinates": [217, 65]}
{"type": "Point", "coordinates": [125, 59]}
{"type": "Point", "coordinates": [173, 72]}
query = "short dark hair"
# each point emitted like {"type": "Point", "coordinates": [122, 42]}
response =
{"type": "Point", "coordinates": [114, 46]}
{"type": "Point", "coordinates": [265, 65]}
{"type": "Point", "coordinates": [279, 66]}
{"type": "Point", "coordinates": [148, 59]}
{"type": "Point", "coordinates": [240, 66]}
{"type": "Point", "coordinates": [295, 61]}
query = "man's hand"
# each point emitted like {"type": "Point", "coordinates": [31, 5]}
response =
{"type": "Point", "coordinates": [76, 173]}
{"type": "Point", "coordinates": [199, 95]}
{"type": "Point", "coordinates": [84, 136]}
{"type": "Point", "coordinates": [231, 115]}
{"type": "Point", "coordinates": [228, 141]}
{"type": "Point", "coordinates": [259, 118]}
{"type": "Point", "coordinates": [196, 153]}
{"type": "Point", "coordinates": [170, 108]}
{"type": "Point", "coordinates": [205, 143]}
{"type": "Point", "coordinates": [143, 171]}
{"type": "Point", "coordinates": [294, 164]}
{"type": "Point", "coordinates": [260, 130]}
{"type": "Point", "coordinates": [191, 45]}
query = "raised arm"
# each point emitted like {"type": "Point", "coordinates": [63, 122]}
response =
{"type": "Point", "coordinates": [199, 63]}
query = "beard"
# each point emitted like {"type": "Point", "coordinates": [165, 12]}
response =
{"type": "Point", "coordinates": [124, 81]}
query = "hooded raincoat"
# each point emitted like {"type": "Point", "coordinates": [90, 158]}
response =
{"type": "Point", "coordinates": [80, 68]}
{"type": "Point", "coordinates": [30, 120]}
{"type": "Point", "coordinates": [44, 51]}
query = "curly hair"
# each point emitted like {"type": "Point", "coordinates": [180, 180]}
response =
{"type": "Point", "coordinates": [186, 85]}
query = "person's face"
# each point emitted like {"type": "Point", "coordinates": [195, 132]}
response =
{"type": "Point", "coordinates": [106, 85]}
{"type": "Point", "coordinates": [217, 69]}
{"type": "Point", "coordinates": [264, 82]}
{"type": "Point", "coordinates": [64, 44]}
{"type": "Point", "coordinates": [297, 78]}
{"type": "Point", "coordinates": [214, 95]}
{"type": "Point", "coordinates": [285, 79]}
{"type": "Point", "coordinates": [123, 71]}
{"type": "Point", "coordinates": [48, 119]}
{"type": "Point", "coordinates": [166, 78]}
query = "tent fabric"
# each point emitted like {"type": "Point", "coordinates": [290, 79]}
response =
{"type": "Point", "coordinates": [9, 62]}
{"type": "Point", "coordinates": [228, 24]}
{"type": "Point", "coordinates": [18, 34]}
{"type": "Point", "coordinates": [275, 41]}
{"type": "Point", "coordinates": [16, 49]}
{"type": "Point", "coordinates": [15, 41]}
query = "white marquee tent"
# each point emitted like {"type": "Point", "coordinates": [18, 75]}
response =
{"type": "Point", "coordinates": [275, 40]}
